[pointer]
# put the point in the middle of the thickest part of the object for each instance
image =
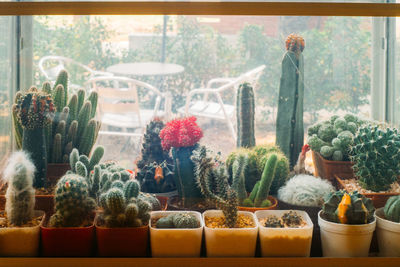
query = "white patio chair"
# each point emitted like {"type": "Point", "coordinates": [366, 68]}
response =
{"type": "Point", "coordinates": [217, 109]}
{"type": "Point", "coordinates": [50, 66]}
{"type": "Point", "coordinates": [119, 104]}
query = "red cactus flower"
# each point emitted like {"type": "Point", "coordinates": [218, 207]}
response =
{"type": "Point", "coordinates": [180, 133]}
{"type": "Point", "coordinates": [67, 185]}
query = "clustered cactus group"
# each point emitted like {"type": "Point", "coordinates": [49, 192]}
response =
{"type": "Point", "coordinates": [333, 138]}
{"type": "Point", "coordinates": [178, 220]}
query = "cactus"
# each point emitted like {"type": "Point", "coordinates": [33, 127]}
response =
{"type": "Point", "coordinates": [266, 180]}
{"type": "Point", "coordinates": [152, 151]}
{"type": "Point", "coordinates": [238, 179]}
{"type": "Point", "coordinates": [178, 220]}
{"type": "Point", "coordinates": [73, 206]}
{"type": "Point", "coordinates": [305, 190]}
{"type": "Point", "coordinates": [62, 79]}
{"type": "Point", "coordinates": [166, 222]}
{"type": "Point", "coordinates": [245, 110]}
{"type": "Point", "coordinates": [376, 158]}
{"type": "Point", "coordinates": [392, 209]}
{"type": "Point", "coordinates": [289, 121]}
{"type": "Point", "coordinates": [222, 195]}
{"type": "Point", "coordinates": [353, 208]}
{"type": "Point", "coordinates": [183, 135]}
{"type": "Point", "coordinates": [156, 178]}
{"type": "Point", "coordinates": [34, 111]}
{"type": "Point", "coordinates": [20, 195]}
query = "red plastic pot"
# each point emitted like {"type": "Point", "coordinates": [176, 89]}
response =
{"type": "Point", "coordinates": [122, 242]}
{"type": "Point", "coordinates": [67, 241]}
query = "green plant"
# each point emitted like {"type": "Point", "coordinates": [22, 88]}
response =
{"type": "Point", "coordinates": [348, 208]}
{"type": "Point", "coordinates": [238, 180]}
{"type": "Point", "coordinates": [214, 185]}
{"type": "Point", "coordinates": [376, 158]}
{"type": "Point", "coordinates": [33, 111]}
{"type": "Point", "coordinates": [73, 206]}
{"type": "Point", "coordinates": [178, 220]}
{"type": "Point", "coordinates": [289, 120]}
{"type": "Point", "coordinates": [245, 110]}
{"type": "Point", "coordinates": [20, 195]}
{"type": "Point", "coordinates": [156, 178]}
{"type": "Point", "coordinates": [305, 190]}
{"type": "Point", "coordinates": [392, 209]}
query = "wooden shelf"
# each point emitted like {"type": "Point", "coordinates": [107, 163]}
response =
{"type": "Point", "coordinates": [201, 262]}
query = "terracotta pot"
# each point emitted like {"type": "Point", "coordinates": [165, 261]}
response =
{"type": "Point", "coordinates": [327, 169]}
{"type": "Point", "coordinates": [316, 250]}
{"type": "Point", "coordinates": [122, 242]}
{"type": "Point", "coordinates": [274, 203]}
{"type": "Point", "coordinates": [21, 241]}
{"type": "Point", "coordinates": [379, 199]}
{"type": "Point", "coordinates": [163, 201]}
{"type": "Point", "coordinates": [55, 171]}
{"type": "Point", "coordinates": [67, 241]}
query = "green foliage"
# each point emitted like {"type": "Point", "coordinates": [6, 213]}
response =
{"type": "Point", "coordinates": [392, 209]}
{"type": "Point", "coordinates": [245, 112]}
{"type": "Point", "coordinates": [375, 153]}
{"type": "Point", "coordinates": [266, 180]}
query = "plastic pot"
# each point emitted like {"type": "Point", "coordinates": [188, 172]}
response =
{"type": "Point", "coordinates": [20, 241]}
{"type": "Point", "coordinates": [388, 234]}
{"type": "Point", "coordinates": [274, 203]}
{"type": "Point", "coordinates": [230, 242]}
{"type": "Point", "coordinates": [345, 240]}
{"type": "Point", "coordinates": [122, 241]}
{"type": "Point", "coordinates": [176, 242]}
{"type": "Point", "coordinates": [67, 241]}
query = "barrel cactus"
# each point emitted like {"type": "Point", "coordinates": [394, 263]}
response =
{"type": "Point", "coordinates": [245, 110]}
{"type": "Point", "coordinates": [178, 220]}
{"type": "Point", "coordinates": [392, 209]}
{"type": "Point", "coordinates": [376, 158]}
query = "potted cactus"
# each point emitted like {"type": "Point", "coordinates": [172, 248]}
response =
{"type": "Point", "coordinates": [374, 152]}
{"type": "Point", "coordinates": [122, 225]}
{"type": "Point", "coordinates": [176, 233]}
{"type": "Point", "coordinates": [347, 223]}
{"type": "Point", "coordinates": [245, 110]}
{"type": "Point", "coordinates": [228, 232]}
{"type": "Point", "coordinates": [289, 119]}
{"type": "Point", "coordinates": [70, 230]}
{"type": "Point", "coordinates": [155, 172]}
{"type": "Point", "coordinates": [388, 228]}
{"type": "Point", "coordinates": [330, 142]}
{"type": "Point", "coordinates": [20, 223]}
{"type": "Point", "coordinates": [183, 135]}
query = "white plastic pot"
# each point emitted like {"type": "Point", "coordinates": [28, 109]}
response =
{"type": "Point", "coordinates": [230, 242]}
{"type": "Point", "coordinates": [345, 240]}
{"type": "Point", "coordinates": [176, 242]}
{"type": "Point", "coordinates": [20, 241]}
{"type": "Point", "coordinates": [388, 234]}
{"type": "Point", "coordinates": [284, 242]}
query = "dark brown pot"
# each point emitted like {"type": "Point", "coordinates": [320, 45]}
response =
{"type": "Point", "coordinates": [379, 199]}
{"type": "Point", "coordinates": [122, 242]}
{"type": "Point", "coordinates": [67, 241]}
{"type": "Point", "coordinates": [55, 171]}
{"type": "Point", "coordinates": [273, 200]}
{"type": "Point", "coordinates": [327, 169]}
{"type": "Point", "coordinates": [316, 249]}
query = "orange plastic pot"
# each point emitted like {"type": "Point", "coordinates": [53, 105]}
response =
{"type": "Point", "coordinates": [67, 241]}
{"type": "Point", "coordinates": [122, 242]}
{"type": "Point", "coordinates": [274, 203]}
{"type": "Point", "coordinates": [327, 169]}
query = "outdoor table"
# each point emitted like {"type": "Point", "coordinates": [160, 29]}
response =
{"type": "Point", "coordinates": [146, 69]}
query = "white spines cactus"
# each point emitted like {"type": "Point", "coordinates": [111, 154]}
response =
{"type": "Point", "coordinates": [20, 195]}
{"type": "Point", "coordinates": [305, 190]}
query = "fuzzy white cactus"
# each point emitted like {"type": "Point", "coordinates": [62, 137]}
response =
{"type": "Point", "coordinates": [305, 190]}
{"type": "Point", "coordinates": [20, 195]}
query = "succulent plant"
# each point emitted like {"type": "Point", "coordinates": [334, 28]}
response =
{"type": "Point", "coordinates": [392, 209]}
{"type": "Point", "coordinates": [305, 190]}
{"type": "Point", "coordinates": [245, 110]}
{"type": "Point", "coordinates": [289, 121]}
{"type": "Point", "coordinates": [178, 220]}
{"type": "Point", "coordinates": [213, 182]}
{"type": "Point", "coordinates": [292, 219]}
{"type": "Point", "coordinates": [348, 208]}
{"type": "Point", "coordinates": [375, 153]}
{"type": "Point", "coordinates": [20, 195]}
{"type": "Point", "coordinates": [273, 222]}
{"type": "Point", "coordinates": [73, 206]}
{"type": "Point", "coordinates": [156, 178]}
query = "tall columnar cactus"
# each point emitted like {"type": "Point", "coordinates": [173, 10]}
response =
{"type": "Point", "coordinates": [345, 208]}
{"type": "Point", "coordinates": [392, 209]}
{"type": "Point", "coordinates": [20, 195]}
{"type": "Point", "coordinates": [183, 136]}
{"type": "Point", "coordinates": [213, 182]}
{"type": "Point", "coordinates": [245, 109]}
{"type": "Point", "coordinates": [289, 121]}
{"type": "Point", "coordinates": [375, 153]}
{"type": "Point", "coordinates": [152, 151]}
{"type": "Point", "coordinates": [238, 179]}
{"type": "Point", "coordinates": [34, 110]}
{"type": "Point", "coordinates": [73, 125]}
{"type": "Point", "coordinates": [73, 206]}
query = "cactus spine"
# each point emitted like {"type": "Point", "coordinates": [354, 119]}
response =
{"type": "Point", "coordinates": [289, 121]}
{"type": "Point", "coordinates": [392, 209]}
{"type": "Point", "coordinates": [20, 195]}
{"type": "Point", "coordinates": [238, 178]}
{"type": "Point", "coordinates": [245, 109]}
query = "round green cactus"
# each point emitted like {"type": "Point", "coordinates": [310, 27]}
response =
{"type": "Point", "coordinates": [185, 220]}
{"type": "Point", "coordinates": [337, 155]}
{"type": "Point", "coordinates": [327, 151]}
{"type": "Point", "coordinates": [165, 222]}
{"type": "Point", "coordinates": [392, 209]}
{"type": "Point", "coordinates": [326, 133]}
{"type": "Point", "coordinates": [316, 143]}
{"type": "Point", "coordinates": [340, 123]}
